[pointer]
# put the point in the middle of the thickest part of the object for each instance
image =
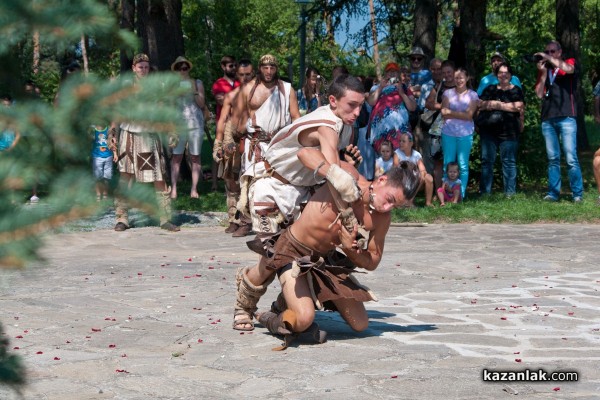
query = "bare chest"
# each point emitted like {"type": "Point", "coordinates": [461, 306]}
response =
{"type": "Point", "coordinates": [260, 95]}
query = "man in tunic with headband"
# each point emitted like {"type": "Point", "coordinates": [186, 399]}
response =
{"type": "Point", "coordinates": [263, 107]}
{"type": "Point", "coordinates": [286, 179]}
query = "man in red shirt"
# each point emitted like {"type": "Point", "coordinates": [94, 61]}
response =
{"type": "Point", "coordinates": [220, 88]}
{"type": "Point", "coordinates": [226, 83]}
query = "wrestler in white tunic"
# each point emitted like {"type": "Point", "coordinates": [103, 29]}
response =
{"type": "Point", "coordinates": [276, 200]}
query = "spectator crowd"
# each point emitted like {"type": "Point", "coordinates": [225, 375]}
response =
{"type": "Point", "coordinates": [424, 112]}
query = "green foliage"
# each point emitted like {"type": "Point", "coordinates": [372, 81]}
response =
{"type": "Point", "coordinates": [54, 151]}
{"type": "Point", "coordinates": [12, 370]}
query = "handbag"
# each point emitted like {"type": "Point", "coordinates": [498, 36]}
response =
{"type": "Point", "coordinates": [436, 126]}
{"type": "Point", "coordinates": [427, 118]}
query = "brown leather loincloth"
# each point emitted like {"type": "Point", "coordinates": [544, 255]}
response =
{"type": "Point", "coordinates": [329, 274]}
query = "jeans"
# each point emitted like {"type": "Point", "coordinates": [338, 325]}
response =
{"type": "Point", "coordinates": [566, 128]}
{"type": "Point", "coordinates": [508, 156]}
{"type": "Point", "coordinates": [458, 149]}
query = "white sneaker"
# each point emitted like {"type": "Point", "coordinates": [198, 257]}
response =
{"type": "Point", "coordinates": [34, 199]}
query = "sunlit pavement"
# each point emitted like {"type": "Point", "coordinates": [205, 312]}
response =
{"type": "Point", "coordinates": [147, 314]}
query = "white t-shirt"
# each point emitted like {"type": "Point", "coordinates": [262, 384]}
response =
{"type": "Point", "coordinates": [413, 158]}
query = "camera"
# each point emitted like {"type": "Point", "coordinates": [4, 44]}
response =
{"type": "Point", "coordinates": [532, 58]}
{"type": "Point", "coordinates": [393, 80]}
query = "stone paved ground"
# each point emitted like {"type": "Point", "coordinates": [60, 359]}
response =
{"type": "Point", "coordinates": [146, 314]}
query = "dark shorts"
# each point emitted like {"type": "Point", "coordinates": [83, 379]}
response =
{"type": "Point", "coordinates": [330, 273]}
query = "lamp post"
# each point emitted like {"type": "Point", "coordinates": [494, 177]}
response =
{"type": "Point", "coordinates": [303, 18]}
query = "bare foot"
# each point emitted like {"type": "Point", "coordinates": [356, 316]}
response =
{"type": "Point", "coordinates": [240, 323]}
{"type": "Point", "coordinates": [194, 195]}
{"type": "Point", "coordinates": [173, 194]}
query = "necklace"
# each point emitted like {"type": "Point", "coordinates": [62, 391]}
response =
{"type": "Point", "coordinates": [371, 199]}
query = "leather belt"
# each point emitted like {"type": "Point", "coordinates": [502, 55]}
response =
{"type": "Point", "coordinates": [274, 173]}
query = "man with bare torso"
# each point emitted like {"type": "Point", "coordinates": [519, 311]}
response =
{"type": "Point", "coordinates": [312, 272]}
{"type": "Point", "coordinates": [226, 154]}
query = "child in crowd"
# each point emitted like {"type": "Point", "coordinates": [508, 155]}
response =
{"type": "Point", "coordinates": [102, 161]}
{"type": "Point", "coordinates": [385, 161]}
{"type": "Point", "coordinates": [451, 185]}
{"type": "Point", "coordinates": [407, 153]}
{"type": "Point", "coordinates": [8, 136]}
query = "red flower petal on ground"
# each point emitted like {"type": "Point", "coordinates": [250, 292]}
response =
{"type": "Point", "coordinates": [474, 301]}
{"type": "Point", "coordinates": [571, 313]}
{"type": "Point", "coordinates": [477, 266]}
{"type": "Point", "coordinates": [123, 355]}
{"type": "Point", "coordinates": [19, 337]}
{"type": "Point", "coordinates": [122, 370]}
{"type": "Point", "coordinates": [182, 295]}
{"type": "Point", "coordinates": [517, 359]}
{"type": "Point", "coordinates": [556, 389]}
{"type": "Point", "coordinates": [96, 330]}
{"type": "Point", "coordinates": [517, 352]}
{"type": "Point", "coordinates": [394, 376]}
{"type": "Point", "coordinates": [198, 276]}
{"type": "Point", "coordinates": [200, 340]}
{"type": "Point", "coordinates": [564, 338]}
{"type": "Point", "coordinates": [503, 318]}
{"type": "Point", "coordinates": [112, 346]}
{"type": "Point", "coordinates": [68, 342]}
{"type": "Point", "coordinates": [40, 352]}
{"type": "Point", "coordinates": [189, 259]}
{"type": "Point", "coordinates": [139, 274]}
{"type": "Point", "coordinates": [211, 267]}
{"type": "Point", "coordinates": [88, 337]}
{"type": "Point", "coordinates": [514, 285]}
{"type": "Point", "coordinates": [186, 277]}
{"type": "Point", "coordinates": [56, 358]}
{"type": "Point", "coordinates": [16, 348]}
{"type": "Point", "coordinates": [26, 331]}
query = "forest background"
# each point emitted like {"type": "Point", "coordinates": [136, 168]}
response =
{"type": "Point", "coordinates": [466, 31]}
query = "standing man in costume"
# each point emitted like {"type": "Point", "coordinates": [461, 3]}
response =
{"type": "Point", "coordinates": [313, 273]}
{"type": "Point", "coordinates": [263, 107]}
{"type": "Point", "coordinates": [220, 88]}
{"type": "Point", "coordinates": [225, 152]}
{"type": "Point", "coordinates": [141, 159]}
{"type": "Point", "coordinates": [276, 195]}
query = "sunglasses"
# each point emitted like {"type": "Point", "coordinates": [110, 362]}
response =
{"type": "Point", "coordinates": [416, 58]}
{"type": "Point", "coordinates": [231, 65]}
{"type": "Point", "coordinates": [550, 51]}
{"type": "Point", "coordinates": [183, 68]}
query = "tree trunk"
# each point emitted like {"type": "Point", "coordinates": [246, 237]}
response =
{"type": "Point", "coordinates": [472, 28]}
{"type": "Point", "coordinates": [159, 26]}
{"type": "Point", "coordinates": [127, 22]}
{"type": "Point", "coordinates": [567, 32]}
{"type": "Point", "coordinates": [84, 55]}
{"type": "Point", "coordinates": [375, 40]}
{"type": "Point", "coordinates": [425, 33]}
{"type": "Point", "coordinates": [36, 52]}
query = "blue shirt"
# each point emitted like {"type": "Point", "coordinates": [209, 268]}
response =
{"type": "Point", "coordinates": [100, 148]}
{"type": "Point", "coordinates": [7, 138]}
